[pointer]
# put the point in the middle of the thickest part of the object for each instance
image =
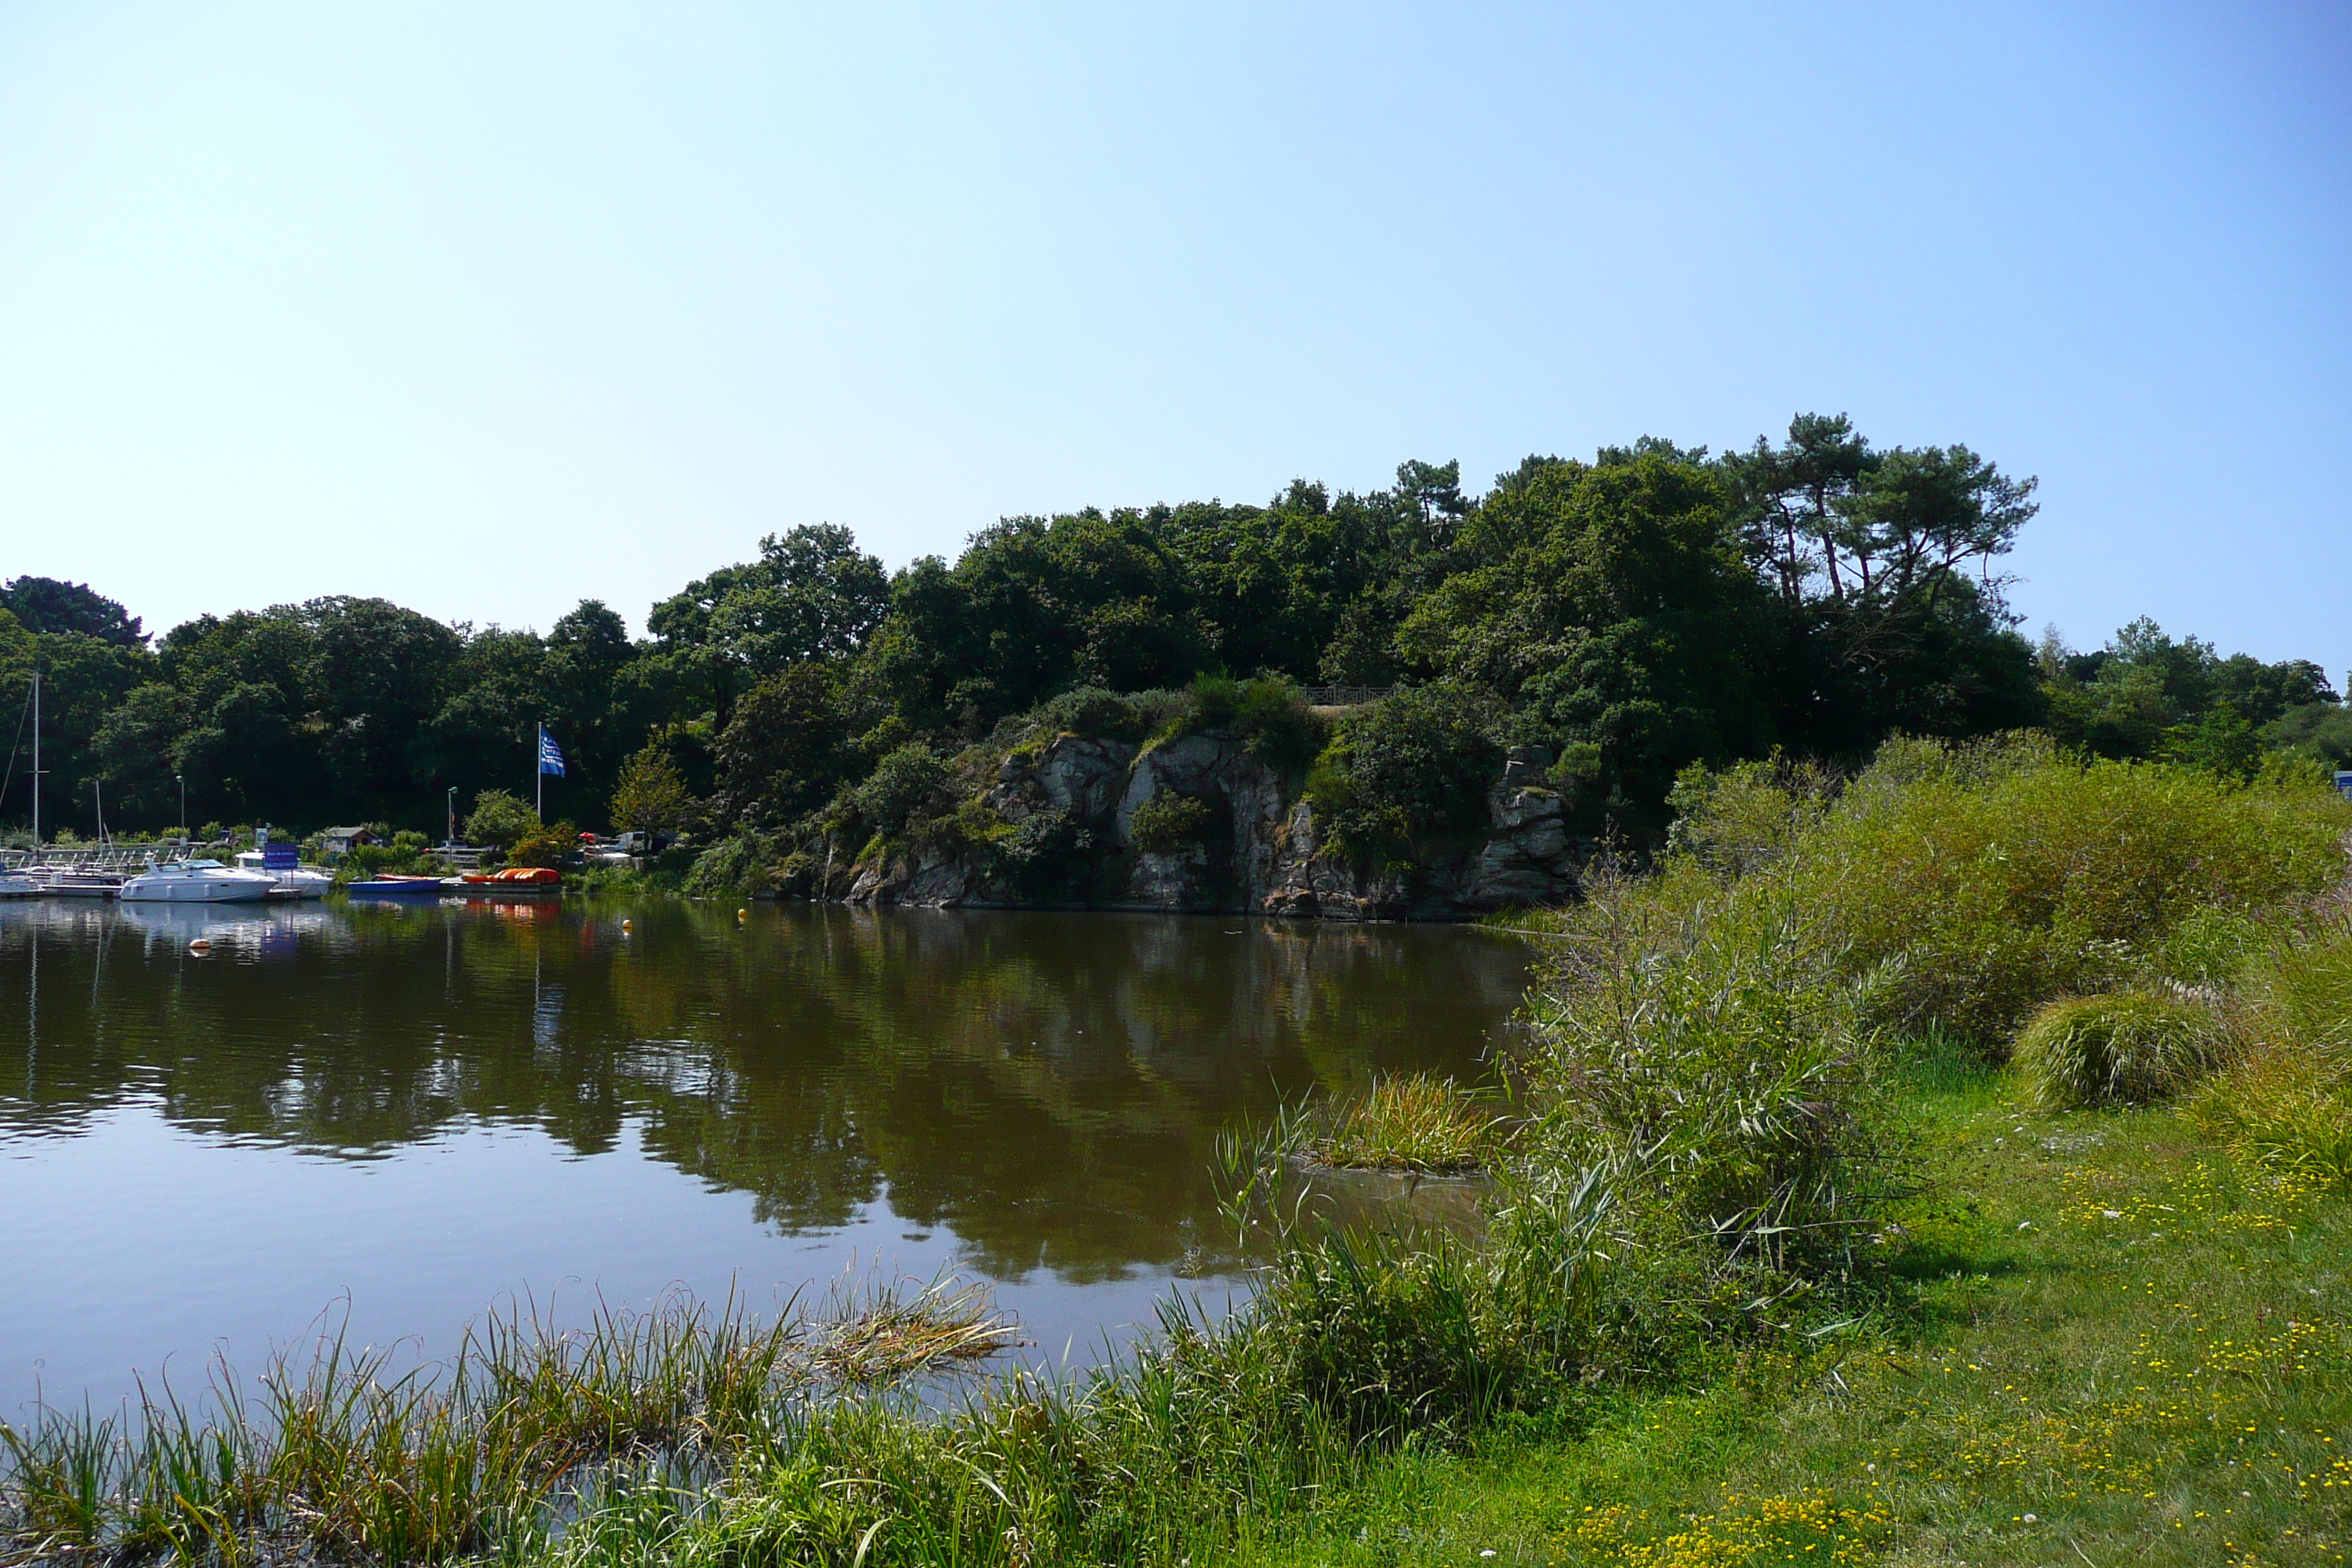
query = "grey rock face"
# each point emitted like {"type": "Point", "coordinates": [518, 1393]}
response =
{"type": "Point", "coordinates": [1271, 858]}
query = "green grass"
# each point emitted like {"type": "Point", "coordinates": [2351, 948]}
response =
{"type": "Point", "coordinates": [2110, 1343]}
{"type": "Point", "coordinates": [1412, 1122]}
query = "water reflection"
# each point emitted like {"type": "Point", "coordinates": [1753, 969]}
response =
{"type": "Point", "coordinates": [1042, 1091]}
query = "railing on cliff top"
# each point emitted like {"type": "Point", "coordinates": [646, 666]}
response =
{"type": "Point", "coordinates": [1343, 696]}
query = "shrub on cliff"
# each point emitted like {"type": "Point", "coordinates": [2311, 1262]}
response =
{"type": "Point", "coordinates": [1170, 822]}
{"type": "Point", "coordinates": [1267, 714]}
{"type": "Point", "coordinates": [1406, 769]}
{"type": "Point", "coordinates": [909, 782]}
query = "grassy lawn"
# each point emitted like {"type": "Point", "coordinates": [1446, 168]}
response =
{"type": "Point", "coordinates": [2112, 1345]}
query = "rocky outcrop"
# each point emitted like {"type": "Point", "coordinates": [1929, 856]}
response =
{"type": "Point", "coordinates": [1059, 830]}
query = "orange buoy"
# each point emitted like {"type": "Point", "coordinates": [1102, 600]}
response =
{"type": "Point", "coordinates": [742, 914]}
{"type": "Point", "coordinates": [200, 947]}
{"type": "Point", "coordinates": [625, 928]}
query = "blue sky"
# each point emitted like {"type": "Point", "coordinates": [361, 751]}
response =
{"type": "Point", "coordinates": [489, 309]}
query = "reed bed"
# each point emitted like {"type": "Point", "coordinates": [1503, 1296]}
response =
{"type": "Point", "coordinates": [345, 1456]}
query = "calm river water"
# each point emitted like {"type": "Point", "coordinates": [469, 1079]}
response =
{"type": "Point", "coordinates": [410, 1116]}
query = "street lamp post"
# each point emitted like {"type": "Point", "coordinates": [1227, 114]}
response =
{"type": "Point", "coordinates": [453, 813]}
{"type": "Point", "coordinates": [181, 779]}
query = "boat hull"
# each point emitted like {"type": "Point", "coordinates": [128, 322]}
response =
{"type": "Point", "coordinates": [194, 891]}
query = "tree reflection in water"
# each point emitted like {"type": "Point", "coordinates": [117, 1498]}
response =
{"type": "Point", "coordinates": [1043, 1091]}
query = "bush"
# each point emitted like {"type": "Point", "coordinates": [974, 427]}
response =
{"type": "Point", "coordinates": [907, 783]}
{"type": "Point", "coordinates": [499, 818]}
{"type": "Point", "coordinates": [1169, 822]}
{"type": "Point", "coordinates": [555, 845]}
{"type": "Point", "coordinates": [1274, 723]}
{"type": "Point", "coordinates": [741, 865]}
{"type": "Point", "coordinates": [2127, 1048]}
{"type": "Point", "coordinates": [1707, 1043]}
{"type": "Point", "coordinates": [1406, 769]}
{"type": "Point", "coordinates": [2287, 1101]}
{"type": "Point", "coordinates": [1093, 713]}
{"type": "Point", "coordinates": [1980, 880]}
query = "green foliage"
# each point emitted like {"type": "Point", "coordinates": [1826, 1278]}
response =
{"type": "Point", "coordinates": [1406, 769]}
{"type": "Point", "coordinates": [908, 783]}
{"type": "Point", "coordinates": [1094, 714]}
{"type": "Point", "coordinates": [2149, 695]}
{"type": "Point", "coordinates": [1707, 1041]}
{"type": "Point", "coordinates": [1169, 822]}
{"type": "Point", "coordinates": [785, 751]}
{"type": "Point", "coordinates": [499, 819]}
{"type": "Point", "coordinates": [2286, 1102]}
{"type": "Point", "coordinates": [1269, 715]}
{"type": "Point", "coordinates": [652, 794]}
{"type": "Point", "coordinates": [1648, 611]}
{"type": "Point", "coordinates": [46, 604]}
{"type": "Point", "coordinates": [1987, 879]}
{"type": "Point", "coordinates": [741, 865]}
{"type": "Point", "coordinates": [2128, 1048]}
{"type": "Point", "coordinates": [556, 844]}
{"type": "Point", "coordinates": [1414, 1122]}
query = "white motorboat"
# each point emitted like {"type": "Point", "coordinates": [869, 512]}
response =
{"type": "Point", "coordinates": [17, 885]}
{"type": "Point", "coordinates": [197, 882]}
{"type": "Point", "coordinates": [301, 883]}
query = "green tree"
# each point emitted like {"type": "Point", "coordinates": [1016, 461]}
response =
{"type": "Point", "coordinates": [47, 605]}
{"type": "Point", "coordinates": [652, 794]}
{"type": "Point", "coordinates": [786, 750]}
{"type": "Point", "coordinates": [499, 819]}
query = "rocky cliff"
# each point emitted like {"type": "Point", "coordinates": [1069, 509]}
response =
{"type": "Point", "coordinates": [1056, 826]}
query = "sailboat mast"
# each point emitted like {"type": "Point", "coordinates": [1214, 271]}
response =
{"type": "Point", "coordinates": [36, 759]}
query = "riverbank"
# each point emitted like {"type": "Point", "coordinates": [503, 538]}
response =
{"type": "Point", "coordinates": [2111, 1342]}
{"type": "Point", "coordinates": [1776, 1260]}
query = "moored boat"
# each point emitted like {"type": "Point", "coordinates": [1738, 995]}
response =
{"type": "Point", "coordinates": [16, 885]}
{"type": "Point", "coordinates": [297, 882]}
{"type": "Point", "coordinates": [514, 882]}
{"type": "Point", "coordinates": [74, 883]}
{"type": "Point", "coordinates": [395, 888]}
{"type": "Point", "coordinates": [196, 883]}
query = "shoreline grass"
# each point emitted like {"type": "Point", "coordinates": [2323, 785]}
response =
{"type": "Point", "coordinates": [2114, 1344]}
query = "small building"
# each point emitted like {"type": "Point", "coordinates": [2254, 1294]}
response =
{"type": "Point", "coordinates": [343, 840]}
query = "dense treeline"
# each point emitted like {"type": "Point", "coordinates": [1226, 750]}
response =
{"type": "Point", "coordinates": [1630, 616]}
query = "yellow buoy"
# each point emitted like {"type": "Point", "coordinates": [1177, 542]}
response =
{"type": "Point", "coordinates": [625, 928]}
{"type": "Point", "coordinates": [742, 914]}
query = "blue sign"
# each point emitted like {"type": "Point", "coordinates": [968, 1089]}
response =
{"type": "Point", "coordinates": [281, 856]}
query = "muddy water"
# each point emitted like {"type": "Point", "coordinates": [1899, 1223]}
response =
{"type": "Point", "coordinates": [401, 1117]}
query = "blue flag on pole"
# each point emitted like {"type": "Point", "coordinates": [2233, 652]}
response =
{"type": "Point", "coordinates": [551, 759]}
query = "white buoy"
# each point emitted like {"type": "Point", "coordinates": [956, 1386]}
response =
{"type": "Point", "coordinates": [625, 928]}
{"type": "Point", "coordinates": [200, 947]}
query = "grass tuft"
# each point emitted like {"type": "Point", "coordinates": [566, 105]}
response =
{"type": "Point", "coordinates": [2131, 1047]}
{"type": "Point", "coordinates": [1412, 1122]}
